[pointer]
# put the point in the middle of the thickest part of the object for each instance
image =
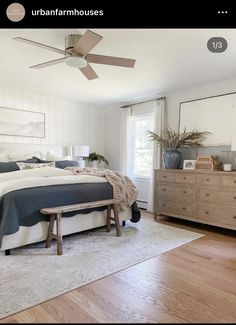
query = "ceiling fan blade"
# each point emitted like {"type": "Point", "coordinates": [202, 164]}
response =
{"type": "Point", "coordinates": [111, 60]}
{"type": "Point", "coordinates": [87, 42]}
{"type": "Point", "coordinates": [48, 63]}
{"type": "Point", "coordinates": [46, 47]}
{"type": "Point", "coordinates": [88, 72]}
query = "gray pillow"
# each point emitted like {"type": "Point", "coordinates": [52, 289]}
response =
{"type": "Point", "coordinates": [11, 166]}
{"type": "Point", "coordinates": [66, 163]}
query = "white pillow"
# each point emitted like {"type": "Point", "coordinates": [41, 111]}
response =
{"type": "Point", "coordinates": [36, 172]}
{"type": "Point", "coordinates": [50, 156]}
{"type": "Point", "coordinates": [23, 166]}
{"type": "Point", "coordinates": [16, 156]}
{"type": "Point", "coordinates": [37, 154]}
{"type": "Point", "coordinates": [4, 157]}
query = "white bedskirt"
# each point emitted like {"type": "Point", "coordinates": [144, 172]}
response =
{"type": "Point", "coordinates": [69, 225]}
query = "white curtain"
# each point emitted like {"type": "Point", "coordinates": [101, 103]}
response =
{"type": "Point", "coordinates": [159, 120]}
{"type": "Point", "coordinates": [125, 141]}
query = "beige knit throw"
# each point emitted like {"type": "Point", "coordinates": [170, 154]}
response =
{"type": "Point", "coordinates": [123, 188]}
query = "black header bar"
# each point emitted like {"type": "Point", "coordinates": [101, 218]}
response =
{"type": "Point", "coordinates": [116, 14]}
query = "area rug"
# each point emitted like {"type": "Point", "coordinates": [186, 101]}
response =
{"type": "Point", "coordinates": [34, 274]}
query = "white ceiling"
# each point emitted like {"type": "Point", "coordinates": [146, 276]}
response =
{"type": "Point", "coordinates": [166, 60]}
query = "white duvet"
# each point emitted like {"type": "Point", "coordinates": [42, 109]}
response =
{"type": "Point", "coordinates": [46, 176]}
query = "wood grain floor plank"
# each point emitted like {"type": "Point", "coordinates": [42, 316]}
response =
{"type": "Point", "coordinates": [193, 283]}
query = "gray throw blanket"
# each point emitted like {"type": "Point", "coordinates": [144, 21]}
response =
{"type": "Point", "coordinates": [123, 188]}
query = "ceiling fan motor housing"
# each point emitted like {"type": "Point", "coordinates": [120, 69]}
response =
{"type": "Point", "coordinates": [70, 42]}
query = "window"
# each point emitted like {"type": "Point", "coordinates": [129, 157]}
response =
{"type": "Point", "coordinates": [141, 157]}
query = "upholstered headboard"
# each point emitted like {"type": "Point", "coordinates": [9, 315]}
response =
{"type": "Point", "coordinates": [29, 148]}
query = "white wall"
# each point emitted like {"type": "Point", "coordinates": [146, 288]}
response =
{"type": "Point", "coordinates": [112, 115]}
{"type": "Point", "coordinates": [211, 89]}
{"type": "Point", "coordinates": [67, 122]}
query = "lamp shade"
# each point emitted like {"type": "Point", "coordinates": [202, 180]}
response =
{"type": "Point", "coordinates": [233, 143]}
{"type": "Point", "coordinates": [81, 151]}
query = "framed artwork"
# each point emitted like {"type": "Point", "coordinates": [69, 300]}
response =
{"type": "Point", "coordinates": [216, 114]}
{"type": "Point", "coordinates": [22, 123]}
{"type": "Point", "coordinates": [189, 164]}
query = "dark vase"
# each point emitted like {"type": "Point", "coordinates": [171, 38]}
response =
{"type": "Point", "coordinates": [172, 158]}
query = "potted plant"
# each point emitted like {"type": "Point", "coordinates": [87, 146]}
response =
{"type": "Point", "coordinates": [171, 140]}
{"type": "Point", "coordinates": [96, 159]}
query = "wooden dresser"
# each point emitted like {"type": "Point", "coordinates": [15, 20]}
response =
{"type": "Point", "coordinates": [203, 196]}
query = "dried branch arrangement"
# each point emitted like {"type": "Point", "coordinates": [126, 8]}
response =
{"type": "Point", "coordinates": [173, 140]}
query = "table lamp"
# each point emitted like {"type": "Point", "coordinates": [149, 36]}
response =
{"type": "Point", "coordinates": [81, 152]}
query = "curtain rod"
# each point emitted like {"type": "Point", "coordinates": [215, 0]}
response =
{"type": "Point", "coordinates": [146, 101]}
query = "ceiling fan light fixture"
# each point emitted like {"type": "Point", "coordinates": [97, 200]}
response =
{"type": "Point", "coordinates": [76, 61]}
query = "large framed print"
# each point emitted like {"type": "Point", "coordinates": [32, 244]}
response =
{"type": "Point", "coordinates": [17, 122]}
{"type": "Point", "coordinates": [216, 114]}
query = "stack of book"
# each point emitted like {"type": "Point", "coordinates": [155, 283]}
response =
{"type": "Point", "coordinates": [208, 162]}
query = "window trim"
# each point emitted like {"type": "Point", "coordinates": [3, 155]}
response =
{"type": "Point", "coordinates": [133, 118]}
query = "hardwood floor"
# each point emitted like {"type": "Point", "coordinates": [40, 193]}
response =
{"type": "Point", "coordinates": [192, 283]}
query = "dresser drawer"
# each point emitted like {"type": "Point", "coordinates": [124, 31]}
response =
{"type": "Point", "coordinates": [165, 176]}
{"type": "Point", "coordinates": [175, 193]}
{"type": "Point", "coordinates": [229, 180]}
{"type": "Point", "coordinates": [184, 209]}
{"type": "Point", "coordinates": [223, 197]}
{"type": "Point", "coordinates": [185, 178]}
{"type": "Point", "coordinates": [220, 214]}
{"type": "Point", "coordinates": [208, 179]}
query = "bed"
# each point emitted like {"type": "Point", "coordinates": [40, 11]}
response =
{"type": "Point", "coordinates": [24, 192]}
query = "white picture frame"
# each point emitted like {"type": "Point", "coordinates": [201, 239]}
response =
{"type": "Point", "coordinates": [18, 122]}
{"type": "Point", "coordinates": [189, 164]}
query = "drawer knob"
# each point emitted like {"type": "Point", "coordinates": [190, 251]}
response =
{"type": "Point", "coordinates": [163, 189]}
{"type": "Point", "coordinates": [235, 181]}
{"type": "Point", "coordinates": [184, 192]}
{"type": "Point", "coordinates": [207, 194]}
{"type": "Point", "coordinates": [164, 176]}
{"type": "Point", "coordinates": [183, 208]}
{"type": "Point", "coordinates": [184, 177]}
{"type": "Point", "coordinates": [234, 217]}
{"type": "Point", "coordinates": [234, 197]}
{"type": "Point", "coordinates": [163, 205]}
{"type": "Point", "coordinates": [207, 179]}
{"type": "Point", "coordinates": [206, 212]}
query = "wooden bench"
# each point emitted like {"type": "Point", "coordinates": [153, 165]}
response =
{"type": "Point", "coordinates": [56, 213]}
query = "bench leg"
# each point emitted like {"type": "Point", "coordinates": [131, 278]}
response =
{"type": "Point", "coordinates": [117, 221]}
{"type": "Point", "coordinates": [108, 218]}
{"type": "Point", "coordinates": [59, 236]}
{"type": "Point", "coordinates": [50, 231]}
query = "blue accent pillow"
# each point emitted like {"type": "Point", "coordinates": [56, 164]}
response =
{"type": "Point", "coordinates": [11, 166]}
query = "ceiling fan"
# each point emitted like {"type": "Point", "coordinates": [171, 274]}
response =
{"type": "Point", "coordinates": [76, 54]}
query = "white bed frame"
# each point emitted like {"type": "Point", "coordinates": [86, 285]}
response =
{"type": "Point", "coordinates": [69, 225]}
{"type": "Point", "coordinates": [30, 148]}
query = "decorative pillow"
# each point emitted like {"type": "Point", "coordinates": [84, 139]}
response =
{"type": "Point", "coordinates": [50, 156]}
{"type": "Point", "coordinates": [66, 163]}
{"type": "Point", "coordinates": [20, 156]}
{"type": "Point", "coordinates": [62, 163]}
{"type": "Point", "coordinates": [23, 166]}
{"type": "Point", "coordinates": [6, 167]}
{"type": "Point", "coordinates": [39, 160]}
{"type": "Point", "coordinates": [12, 166]}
